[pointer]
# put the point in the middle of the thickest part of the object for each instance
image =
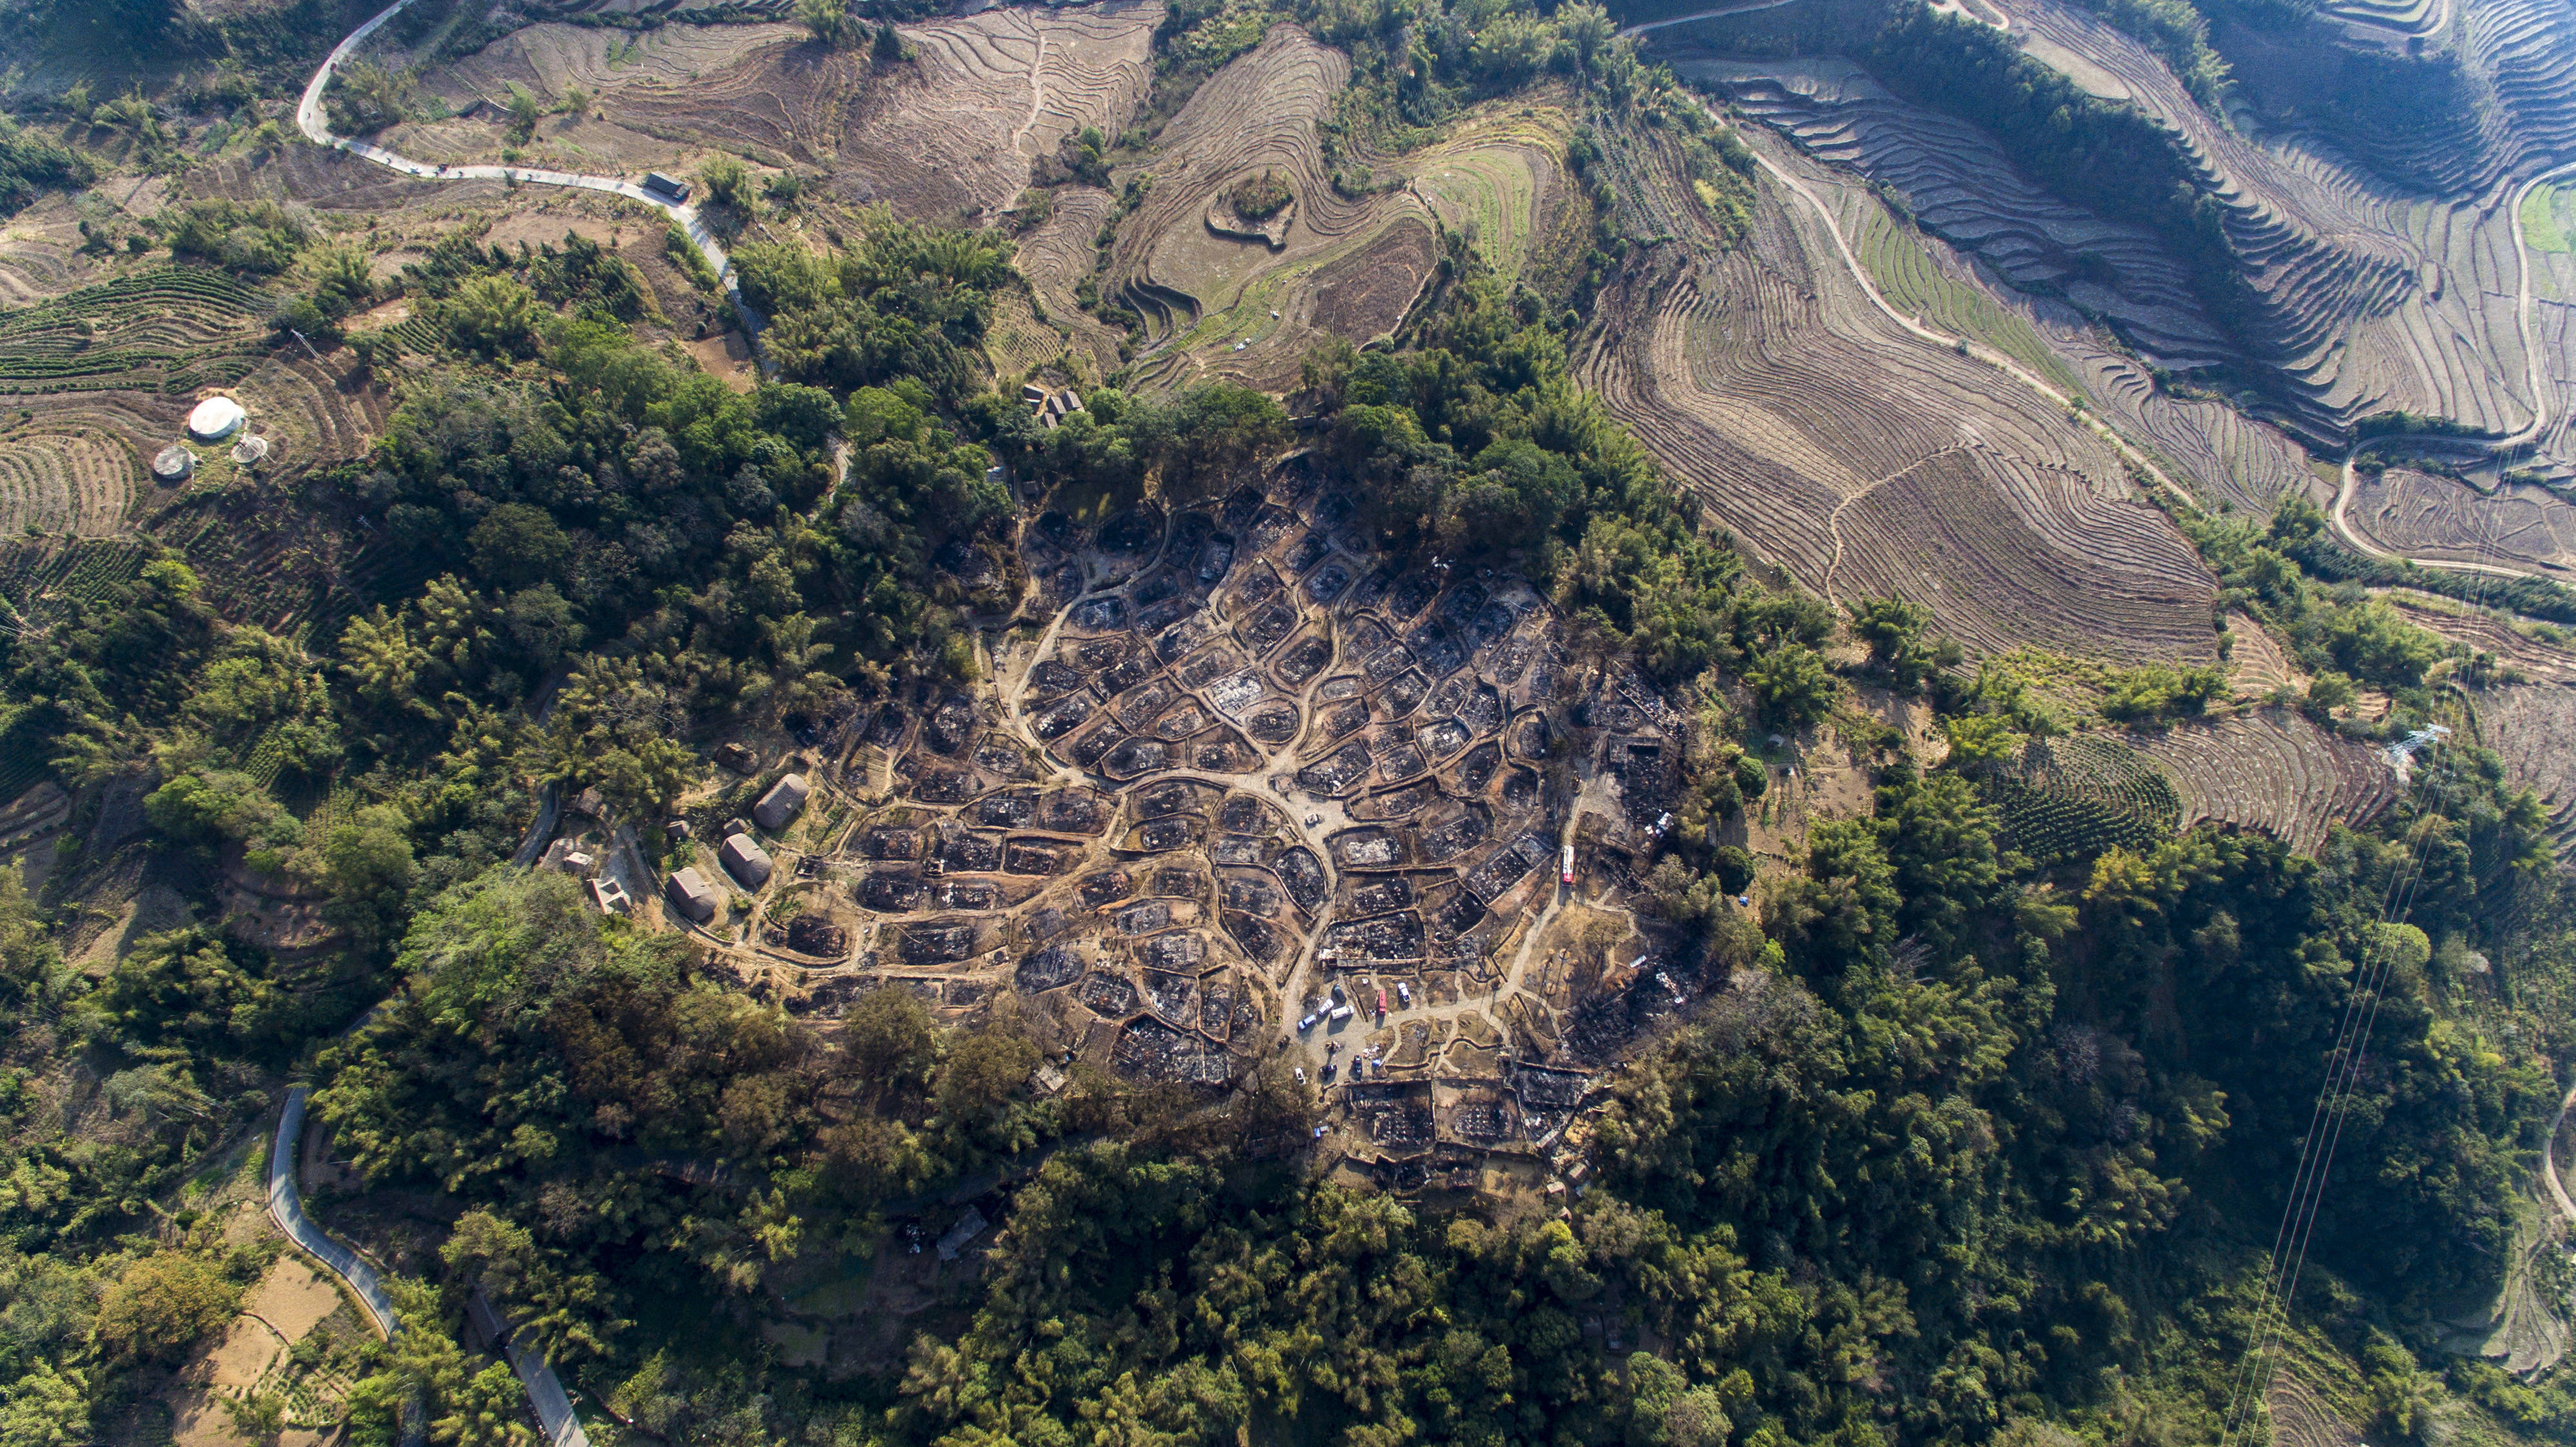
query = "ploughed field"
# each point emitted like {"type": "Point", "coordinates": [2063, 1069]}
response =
{"type": "Point", "coordinates": [2433, 518]}
{"type": "Point", "coordinates": [2532, 728]}
{"type": "Point", "coordinates": [949, 135]}
{"type": "Point", "coordinates": [2377, 272]}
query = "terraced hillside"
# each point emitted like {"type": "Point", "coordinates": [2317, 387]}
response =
{"type": "Point", "coordinates": [2369, 296]}
{"type": "Point", "coordinates": [948, 135]}
{"type": "Point", "coordinates": [2350, 294]}
{"type": "Point", "coordinates": [1187, 280]}
{"type": "Point", "coordinates": [2532, 729]}
{"type": "Point", "coordinates": [1055, 257]}
{"type": "Point", "coordinates": [952, 135]}
{"type": "Point", "coordinates": [2446, 96]}
{"type": "Point", "coordinates": [1962, 187]}
{"type": "Point", "coordinates": [2272, 771]}
{"type": "Point", "coordinates": [1219, 299]}
{"type": "Point", "coordinates": [1866, 459]}
{"type": "Point", "coordinates": [2429, 517]}
{"type": "Point", "coordinates": [61, 481]}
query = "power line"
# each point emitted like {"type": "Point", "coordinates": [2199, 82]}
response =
{"type": "Point", "coordinates": [2342, 1080]}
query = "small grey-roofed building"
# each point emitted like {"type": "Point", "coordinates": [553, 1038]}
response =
{"type": "Point", "coordinates": [745, 860]}
{"type": "Point", "coordinates": [966, 1229]}
{"type": "Point", "coordinates": [781, 803]}
{"type": "Point", "coordinates": [690, 895]}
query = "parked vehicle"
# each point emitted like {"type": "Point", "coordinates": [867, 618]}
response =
{"type": "Point", "coordinates": [1566, 871]}
{"type": "Point", "coordinates": [1341, 1013]}
{"type": "Point", "coordinates": [1308, 1023]}
{"type": "Point", "coordinates": [1404, 994]}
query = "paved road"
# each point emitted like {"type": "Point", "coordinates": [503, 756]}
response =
{"type": "Point", "coordinates": [1965, 9]}
{"type": "Point", "coordinates": [311, 119]}
{"type": "Point", "coordinates": [2549, 1161]}
{"type": "Point", "coordinates": [286, 1207]}
{"type": "Point", "coordinates": [536, 1375]}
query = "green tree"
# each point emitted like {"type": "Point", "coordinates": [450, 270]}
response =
{"type": "Point", "coordinates": [161, 1305]}
{"type": "Point", "coordinates": [48, 1407]}
{"type": "Point", "coordinates": [516, 544]}
{"type": "Point", "coordinates": [198, 987]}
{"type": "Point", "coordinates": [1792, 683]}
{"type": "Point", "coordinates": [725, 181]}
{"type": "Point", "coordinates": [367, 865]}
{"type": "Point", "coordinates": [494, 317]}
{"type": "Point", "coordinates": [829, 21]}
{"type": "Point", "coordinates": [211, 806]}
{"type": "Point", "coordinates": [525, 111]}
{"type": "Point", "coordinates": [1893, 630]}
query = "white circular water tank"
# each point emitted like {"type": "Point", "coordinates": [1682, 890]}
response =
{"type": "Point", "coordinates": [215, 419]}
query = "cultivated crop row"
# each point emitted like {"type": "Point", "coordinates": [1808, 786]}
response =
{"type": "Point", "coordinates": [2271, 770]}
{"type": "Point", "coordinates": [58, 483]}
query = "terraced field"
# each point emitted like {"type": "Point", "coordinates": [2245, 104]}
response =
{"type": "Point", "coordinates": [2532, 728]}
{"type": "Point", "coordinates": [79, 483]}
{"type": "Point", "coordinates": [1220, 303]}
{"type": "Point", "coordinates": [1865, 459]}
{"type": "Point", "coordinates": [1963, 189]}
{"type": "Point", "coordinates": [2530, 653]}
{"type": "Point", "coordinates": [952, 136]}
{"type": "Point", "coordinates": [663, 96]}
{"type": "Point", "coordinates": [1498, 180]}
{"type": "Point", "coordinates": [1932, 288]}
{"type": "Point", "coordinates": [39, 253]}
{"type": "Point", "coordinates": [2273, 771]}
{"type": "Point", "coordinates": [2370, 296]}
{"type": "Point", "coordinates": [2228, 459]}
{"type": "Point", "coordinates": [1055, 257]}
{"type": "Point", "coordinates": [312, 411]}
{"type": "Point", "coordinates": [2074, 797]}
{"type": "Point", "coordinates": [2421, 515]}
{"type": "Point", "coordinates": [328, 180]}
{"type": "Point", "coordinates": [172, 330]}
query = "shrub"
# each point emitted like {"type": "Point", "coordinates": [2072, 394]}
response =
{"type": "Point", "coordinates": [254, 236]}
{"type": "Point", "coordinates": [161, 1306]}
{"type": "Point", "coordinates": [1258, 198]}
{"type": "Point", "coordinates": [29, 164]}
{"type": "Point", "coordinates": [364, 98]}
